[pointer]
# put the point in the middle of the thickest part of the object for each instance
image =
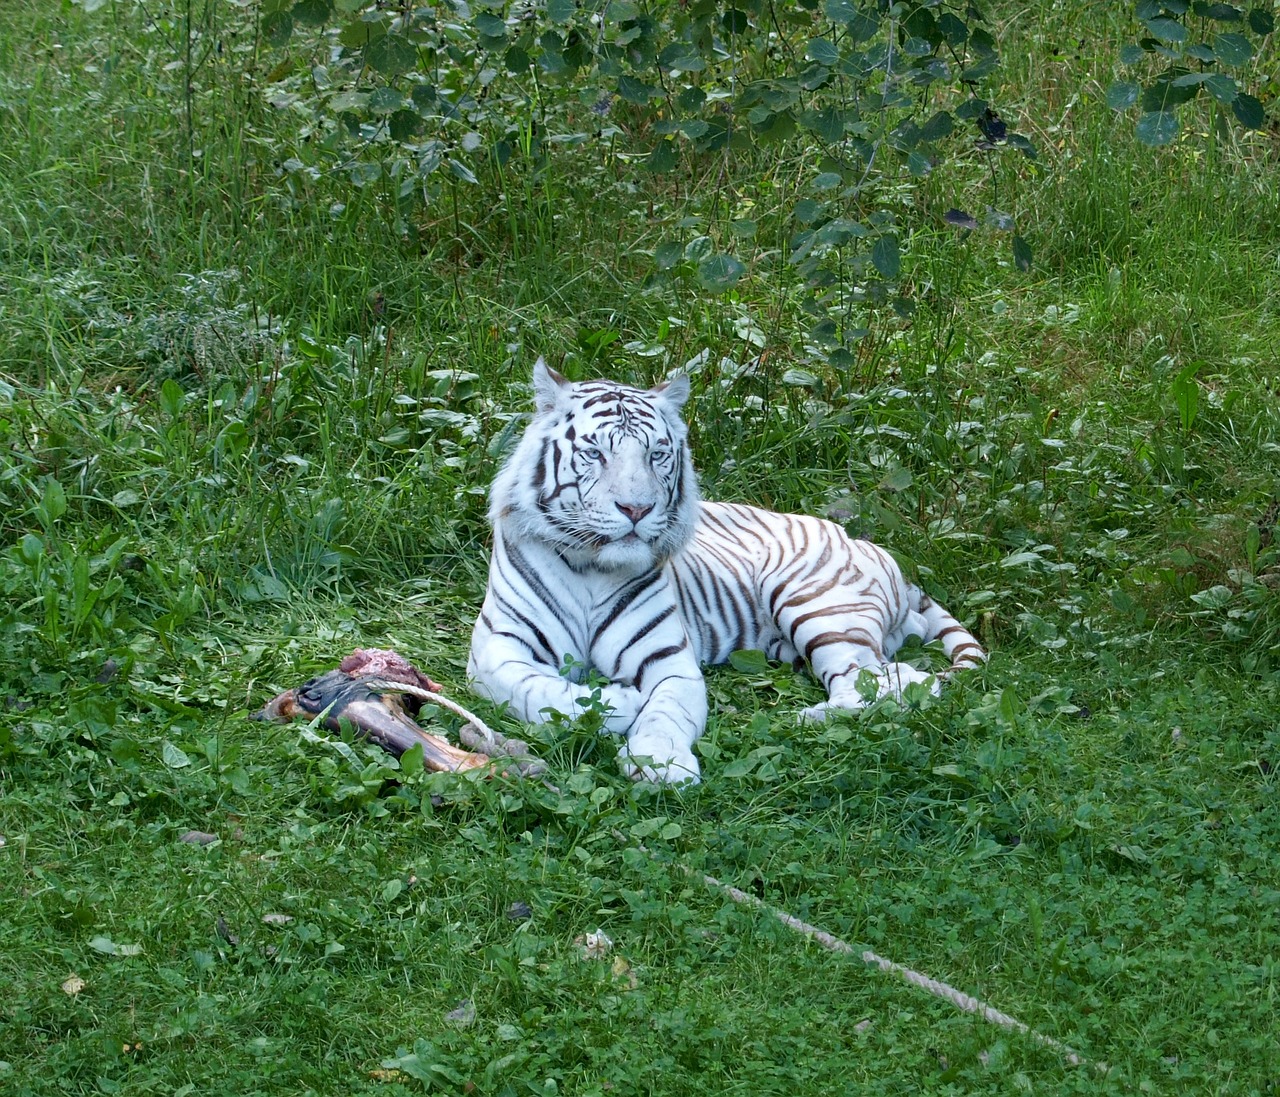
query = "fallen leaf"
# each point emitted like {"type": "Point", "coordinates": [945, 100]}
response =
{"type": "Point", "coordinates": [277, 919]}
{"type": "Point", "coordinates": [73, 985]}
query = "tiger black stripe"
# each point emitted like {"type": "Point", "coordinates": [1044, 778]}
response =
{"type": "Point", "coordinates": [603, 552]}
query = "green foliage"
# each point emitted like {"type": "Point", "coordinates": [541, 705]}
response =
{"type": "Point", "coordinates": [420, 104]}
{"type": "Point", "coordinates": [248, 424]}
{"type": "Point", "coordinates": [1187, 49]}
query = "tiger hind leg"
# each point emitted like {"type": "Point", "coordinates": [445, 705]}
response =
{"type": "Point", "coordinates": [838, 658]}
{"type": "Point", "coordinates": [889, 679]}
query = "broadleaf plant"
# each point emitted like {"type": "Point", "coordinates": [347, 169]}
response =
{"type": "Point", "coordinates": [419, 100]}
{"type": "Point", "coordinates": [1188, 51]}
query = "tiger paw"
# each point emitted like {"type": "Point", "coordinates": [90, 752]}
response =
{"type": "Point", "coordinates": [624, 704]}
{"type": "Point", "coordinates": [659, 761]}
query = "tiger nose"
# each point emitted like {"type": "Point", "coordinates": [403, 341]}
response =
{"type": "Point", "coordinates": [634, 511]}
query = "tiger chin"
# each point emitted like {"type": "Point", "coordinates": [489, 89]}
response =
{"type": "Point", "coordinates": [604, 553]}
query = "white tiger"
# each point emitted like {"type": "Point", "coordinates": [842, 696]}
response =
{"type": "Point", "coordinates": [603, 552]}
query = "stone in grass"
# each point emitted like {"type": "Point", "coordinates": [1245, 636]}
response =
{"type": "Point", "coordinates": [198, 838]}
{"type": "Point", "coordinates": [519, 911]}
{"type": "Point", "coordinates": [464, 1016]}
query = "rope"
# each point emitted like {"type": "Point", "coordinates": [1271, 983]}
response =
{"type": "Point", "coordinates": [958, 998]}
{"type": "Point", "coordinates": [937, 988]}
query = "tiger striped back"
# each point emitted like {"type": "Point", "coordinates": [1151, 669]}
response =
{"type": "Point", "coordinates": [605, 557]}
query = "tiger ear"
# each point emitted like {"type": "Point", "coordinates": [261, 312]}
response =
{"type": "Point", "coordinates": [548, 386]}
{"type": "Point", "coordinates": [675, 391]}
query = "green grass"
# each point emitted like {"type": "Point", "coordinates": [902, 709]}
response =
{"type": "Point", "coordinates": [245, 432]}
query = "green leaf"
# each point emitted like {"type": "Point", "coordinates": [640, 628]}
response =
{"type": "Point", "coordinates": [1131, 54]}
{"type": "Point", "coordinates": [561, 11]}
{"type": "Point", "coordinates": [1167, 30]}
{"type": "Point", "coordinates": [461, 171]}
{"type": "Point", "coordinates": [1186, 395]}
{"type": "Point", "coordinates": [1233, 50]}
{"type": "Point", "coordinates": [1249, 112]}
{"type": "Point", "coordinates": [174, 757]}
{"type": "Point", "coordinates": [277, 28]}
{"type": "Point", "coordinates": [663, 156]}
{"type": "Point", "coordinates": [1261, 21]}
{"type": "Point", "coordinates": [719, 273]}
{"type": "Point", "coordinates": [1123, 94]}
{"type": "Point", "coordinates": [735, 21]}
{"type": "Point", "coordinates": [898, 479]}
{"type": "Point", "coordinates": [314, 12]}
{"type": "Point", "coordinates": [1157, 127]}
{"type": "Point", "coordinates": [667, 255]}
{"type": "Point", "coordinates": [749, 661]}
{"type": "Point", "coordinates": [490, 25]}
{"type": "Point", "coordinates": [636, 91]}
{"type": "Point", "coordinates": [1022, 256]}
{"type": "Point", "coordinates": [885, 256]}
{"type": "Point", "coordinates": [822, 50]}
{"type": "Point", "coordinates": [1222, 87]}
{"type": "Point", "coordinates": [391, 55]}
{"type": "Point", "coordinates": [53, 502]}
{"type": "Point", "coordinates": [939, 126]}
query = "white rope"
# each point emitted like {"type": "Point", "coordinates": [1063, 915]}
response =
{"type": "Point", "coordinates": [938, 989]}
{"type": "Point", "coordinates": [958, 998]}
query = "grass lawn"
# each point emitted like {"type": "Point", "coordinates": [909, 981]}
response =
{"type": "Point", "coordinates": [250, 403]}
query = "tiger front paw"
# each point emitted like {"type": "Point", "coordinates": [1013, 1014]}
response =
{"type": "Point", "coordinates": [659, 761]}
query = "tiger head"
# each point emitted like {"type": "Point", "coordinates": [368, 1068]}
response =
{"type": "Point", "coordinates": [602, 473]}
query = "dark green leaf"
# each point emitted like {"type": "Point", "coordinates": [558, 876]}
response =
{"type": "Point", "coordinates": [277, 28]}
{"type": "Point", "coordinates": [827, 180]}
{"type": "Point", "coordinates": [960, 219]}
{"type": "Point", "coordinates": [862, 27]}
{"type": "Point", "coordinates": [823, 51]}
{"type": "Point", "coordinates": [560, 11]}
{"type": "Point", "coordinates": [391, 55]}
{"type": "Point", "coordinates": [404, 125]}
{"type": "Point", "coordinates": [953, 29]}
{"type": "Point", "coordinates": [635, 91]}
{"type": "Point", "coordinates": [1157, 127]}
{"type": "Point", "coordinates": [719, 273]}
{"type": "Point", "coordinates": [735, 21]}
{"type": "Point", "coordinates": [1249, 112]}
{"type": "Point", "coordinates": [314, 12]}
{"type": "Point", "coordinates": [517, 60]}
{"type": "Point", "coordinates": [937, 127]}
{"type": "Point", "coordinates": [662, 158]}
{"type": "Point", "coordinates": [667, 255]}
{"type": "Point", "coordinates": [1131, 54]}
{"type": "Point", "coordinates": [885, 256]}
{"type": "Point", "coordinates": [1224, 13]}
{"type": "Point", "coordinates": [1233, 50]}
{"type": "Point", "coordinates": [1167, 30]}
{"type": "Point", "coordinates": [1261, 21]}
{"type": "Point", "coordinates": [1164, 94]}
{"type": "Point", "coordinates": [384, 100]}
{"type": "Point", "coordinates": [1021, 253]}
{"type": "Point", "coordinates": [919, 165]}
{"type": "Point", "coordinates": [1221, 87]}
{"type": "Point", "coordinates": [1123, 94]}
{"type": "Point", "coordinates": [490, 25]}
{"type": "Point", "coordinates": [827, 123]}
